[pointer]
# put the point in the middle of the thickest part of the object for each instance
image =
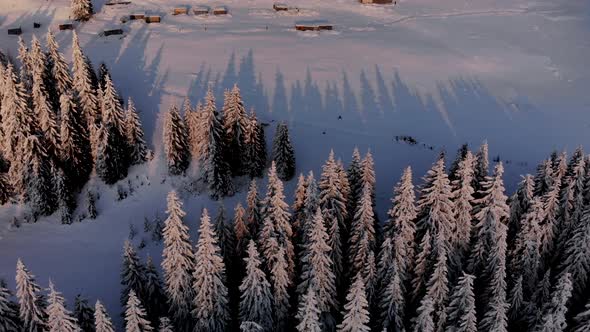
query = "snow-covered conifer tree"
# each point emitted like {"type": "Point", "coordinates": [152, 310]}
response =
{"type": "Point", "coordinates": [460, 313]}
{"type": "Point", "coordinates": [26, 72]}
{"type": "Point", "coordinates": [282, 153]}
{"type": "Point", "coordinates": [298, 207]}
{"type": "Point", "coordinates": [59, 318]}
{"type": "Point", "coordinates": [482, 165]}
{"type": "Point", "coordinates": [65, 197]}
{"type": "Point", "coordinates": [59, 66]}
{"type": "Point", "coordinates": [308, 314]}
{"type": "Point", "coordinates": [211, 303]}
{"type": "Point", "coordinates": [9, 321]}
{"type": "Point", "coordinates": [153, 293]}
{"type": "Point", "coordinates": [356, 313]}
{"type": "Point", "coordinates": [438, 290]}
{"type": "Point", "coordinates": [320, 271]}
{"type": "Point", "coordinates": [133, 276]}
{"type": "Point", "coordinates": [31, 307]}
{"type": "Point", "coordinates": [82, 83]}
{"type": "Point", "coordinates": [576, 258]}
{"type": "Point", "coordinates": [423, 322]}
{"type": "Point", "coordinates": [82, 10]}
{"type": "Point", "coordinates": [102, 321]}
{"type": "Point", "coordinates": [256, 299]}
{"type": "Point", "coordinates": [241, 231]}
{"type": "Point", "coordinates": [582, 320]}
{"type": "Point", "coordinates": [215, 170]}
{"type": "Point", "coordinates": [281, 283]}
{"type": "Point", "coordinates": [554, 312]}
{"type": "Point", "coordinates": [134, 134]}
{"type": "Point", "coordinates": [461, 154]}
{"type": "Point", "coordinates": [38, 181]}
{"type": "Point", "coordinates": [165, 325]}
{"type": "Point", "coordinates": [235, 122]}
{"type": "Point", "coordinates": [544, 177]}
{"type": "Point", "coordinates": [177, 263]}
{"type": "Point", "coordinates": [135, 316]}
{"type": "Point", "coordinates": [84, 314]}
{"type": "Point", "coordinates": [5, 190]}
{"type": "Point", "coordinates": [176, 146]}
{"type": "Point", "coordinates": [362, 228]}
{"type": "Point", "coordinates": [75, 150]}
{"type": "Point", "coordinates": [392, 303]}
{"type": "Point", "coordinates": [355, 181]}
{"type": "Point", "coordinates": [253, 211]}
{"type": "Point", "coordinates": [254, 156]}
{"type": "Point", "coordinates": [463, 199]}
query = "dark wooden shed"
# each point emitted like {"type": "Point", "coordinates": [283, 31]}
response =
{"type": "Point", "coordinates": [221, 10]}
{"type": "Point", "coordinates": [280, 7]}
{"type": "Point", "coordinates": [313, 25]}
{"type": "Point", "coordinates": [201, 10]}
{"type": "Point", "coordinates": [66, 26]}
{"type": "Point", "coordinates": [15, 31]}
{"type": "Point", "coordinates": [111, 32]}
{"type": "Point", "coordinates": [137, 16]}
{"type": "Point", "coordinates": [36, 25]}
{"type": "Point", "coordinates": [180, 11]}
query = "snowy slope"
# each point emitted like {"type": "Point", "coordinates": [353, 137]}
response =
{"type": "Point", "coordinates": [514, 72]}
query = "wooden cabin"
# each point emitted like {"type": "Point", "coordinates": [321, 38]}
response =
{"type": "Point", "coordinates": [153, 19]}
{"type": "Point", "coordinates": [15, 31]}
{"type": "Point", "coordinates": [180, 11]}
{"type": "Point", "coordinates": [201, 10]}
{"type": "Point", "coordinates": [378, 2]}
{"type": "Point", "coordinates": [111, 32]}
{"type": "Point", "coordinates": [280, 7]}
{"type": "Point", "coordinates": [66, 26]}
{"type": "Point", "coordinates": [137, 16]}
{"type": "Point", "coordinates": [221, 10]}
{"type": "Point", "coordinates": [313, 26]}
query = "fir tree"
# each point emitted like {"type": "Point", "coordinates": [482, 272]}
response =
{"type": "Point", "coordinates": [253, 212]}
{"type": "Point", "coordinates": [215, 170]}
{"type": "Point", "coordinates": [90, 197]}
{"type": "Point", "coordinates": [320, 271]}
{"type": "Point", "coordinates": [423, 322]}
{"type": "Point", "coordinates": [463, 200]}
{"type": "Point", "coordinates": [255, 142]}
{"type": "Point", "coordinates": [113, 150]}
{"type": "Point", "coordinates": [356, 314]}
{"type": "Point", "coordinates": [102, 321]}
{"type": "Point", "coordinates": [5, 190]}
{"type": "Point", "coordinates": [235, 122]}
{"type": "Point", "coordinates": [65, 197]}
{"type": "Point", "coordinates": [82, 83]}
{"type": "Point", "coordinates": [153, 293]}
{"type": "Point", "coordinates": [133, 276]}
{"type": "Point", "coordinates": [134, 134]}
{"type": "Point", "coordinates": [282, 153]}
{"type": "Point", "coordinates": [544, 178]}
{"type": "Point", "coordinates": [281, 282]}
{"type": "Point", "coordinates": [461, 154]}
{"type": "Point", "coordinates": [519, 205]}
{"type": "Point", "coordinates": [84, 314]}
{"type": "Point", "coordinates": [241, 231]}
{"type": "Point", "coordinates": [577, 256]}
{"type": "Point", "coordinates": [177, 263]}
{"type": "Point", "coordinates": [176, 146]}
{"type": "Point", "coordinates": [82, 10]}
{"type": "Point", "coordinates": [392, 301]}
{"type": "Point", "coordinates": [461, 315]}
{"type": "Point", "coordinates": [9, 320]}
{"type": "Point", "coordinates": [554, 312]}
{"type": "Point", "coordinates": [308, 314]}
{"type": "Point", "coordinates": [517, 305]}
{"type": "Point", "coordinates": [39, 188]}
{"type": "Point", "coordinates": [135, 316]}
{"type": "Point", "coordinates": [355, 181]}
{"type": "Point", "coordinates": [362, 233]}
{"type": "Point", "coordinates": [59, 66]}
{"type": "Point", "coordinates": [256, 299]}
{"type": "Point", "coordinates": [211, 307]}
{"type": "Point", "coordinates": [437, 289]}
{"type": "Point", "coordinates": [165, 325]}
{"type": "Point", "coordinates": [59, 318]}
{"type": "Point", "coordinates": [482, 165]}
{"type": "Point", "coordinates": [582, 320]}
{"type": "Point", "coordinates": [75, 145]}
{"type": "Point", "coordinates": [298, 207]}
{"type": "Point", "coordinates": [31, 307]}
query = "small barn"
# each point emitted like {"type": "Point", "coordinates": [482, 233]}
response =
{"type": "Point", "coordinates": [66, 26]}
{"type": "Point", "coordinates": [180, 11]}
{"type": "Point", "coordinates": [137, 16]}
{"type": "Point", "coordinates": [153, 19]}
{"type": "Point", "coordinates": [221, 10]}
{"type": "Point", "coordinates": [15, 31]}
{"type": "Point", "coordinates": [280, 7]}
{"type": "Point", "coordinates": [111, 32]}
{"type": "Point", "coordinates": [316, 25]}
{"type": "Point", "coordinates": [201, 10]}
{"type": "Point", "coordinates": [378, 2]}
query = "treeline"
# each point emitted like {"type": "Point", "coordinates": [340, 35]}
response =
{"type": "Point", "coordinates": [59, 125]}
{"type": "Point", "coordinates": [461, 256]}
{"type": "Point", "coordinates": [222, 145]}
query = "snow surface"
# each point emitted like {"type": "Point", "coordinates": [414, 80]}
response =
{"type": "Point", "coordinates": [514, 72]}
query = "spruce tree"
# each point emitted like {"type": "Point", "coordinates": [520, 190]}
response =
{"type": "Point", "coordinates": [153, 293]}
{"type": "Point", "coordinates": [135, 316]}
{"type": "Point", "coordinates": [113, 150]}
{"type": "Point", "coordinates": [256, 299]}
{"type": "Point", "coordinates": [423, 322]}
{"type": "Point", "coordinates": [165, 325]}
{"type": "Point", "coordinates": [282, 153]}
{"type": "Point", "coordinates": [59, 66]}
{"type": "Point", "coordinates": [554, 312]}
{"type": "Point", "coordinates": [308, 314]}
{"type": "Point", "coordinates": [253, 211]}
{"type": "Point", "coordinates": [38, 182]}
{"type": "Point", "coordinates": [59, 318]}
{"type": "Point", "coordinates": [281, 283]}
{"type": "Point", "coordinates": [298, 207]}
{"type": "Point", "coordinates": [215, 169]}
{"type": "Point", "coordinates": [461, 154]}
{"type": "Point", "coordinates": [241, 231]}
{"type": "Point", "coordinates": [461, 315]}
{"type": "Point", "coordinates": [235, 122]}
{"type": "Point", "coordinates": [75, 150]}
{"type": "Point", "coordinates": [211, 303]}
{"type": "Point", "coordinates": [362, 233]}
{"type": "Point", "coordinates": [134, 134]}
{"type": "Point", "coordinates": [577, 256]}
{"type": "Point", "coordinates": [254, 156]}
{"type": "Point", "coordinates": [5, 190]}
{"type": "Point", "coordinates": [519, 205]}
{"type": "Point", "coordinates": [482, 165]}
{"type": "Point", "coordinates": [133, 276]}
{"type": "Point", "coordinates": [582, 320]}
{"type": "Point", "coordinates": [177, 263]}
{"type": "Point", "coordinates": [82, 83]}
{"type": "Point", "coordinates": [9, 320]}
{"type": "Point", "coordinates": [355, 181]}
{"type": "Point", "coordinates": [544, 177]}
{"type": "Point", "coordinates": [392, 304]}
{"type": "Point", "coordinates": [102, 321]}
{"type": "Point", "coordinates": [82, 10]}
{"type": "Point", "coordinates": [463, 200]}
{"type": "Point", "coordinates": [176, 146]}
{"type": "Point", "coordinates": [320, 271]}
{"type": "Point", "coordinates": [356, 314]}
{"type": "Point", "coordinates": [65, 197]}
{"type": "Point", "coordinates": [84, 314]}
{"type": "Point", "coordinates": [31, 305]}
